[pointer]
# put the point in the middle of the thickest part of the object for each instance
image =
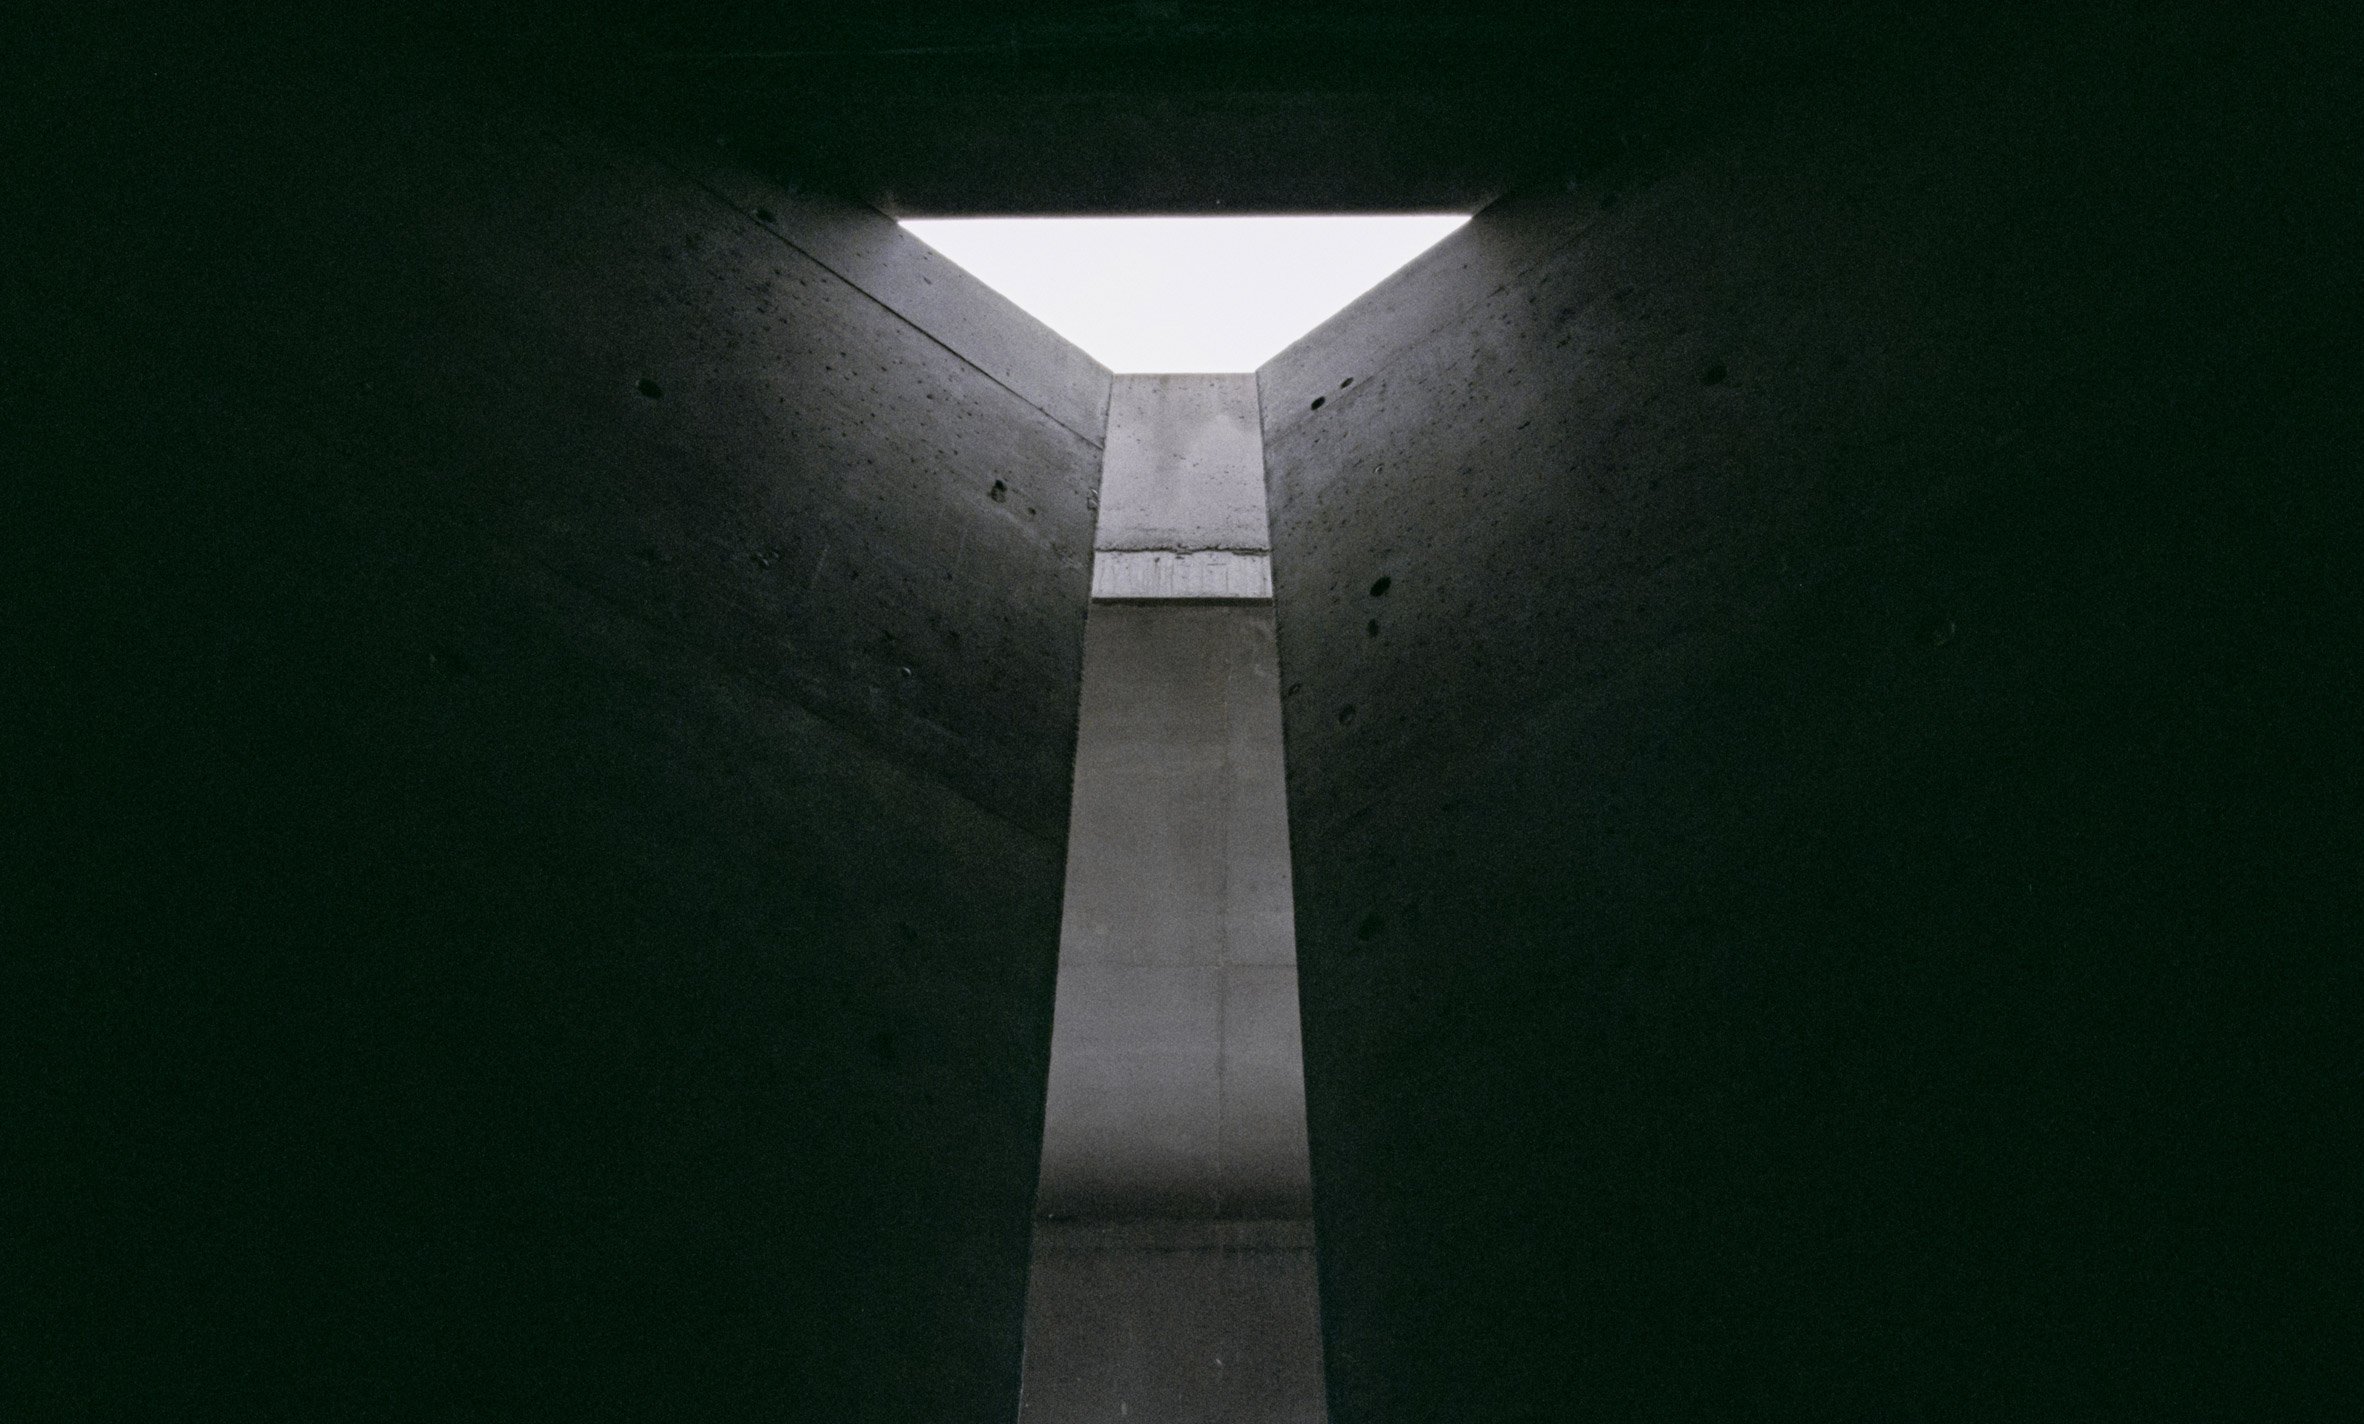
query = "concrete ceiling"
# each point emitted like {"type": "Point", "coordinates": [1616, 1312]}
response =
{"type": "Point", "coordinates": [931, 109]}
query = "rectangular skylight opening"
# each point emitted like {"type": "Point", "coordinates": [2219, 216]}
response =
{"type": "Point", "coordinates": [1184, 295]}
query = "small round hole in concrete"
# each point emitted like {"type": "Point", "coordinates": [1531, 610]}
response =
{"type": "Point", "coordinates": [1342, 385]}
{"type": "Point", "coordinates": [1318, 402]}
{"type": "Point", "coordinates": [650, 388]}
{"type": "Point", "coordinates": [1346, 715]}
{"type": "Point", "coordinates": [1372, 926]}
{"type": "Point", "coordinates": [1713, 375]}
{"type": "Point", "coordinates": [999, 492]}
{"type": "Point", "coordinates": [763, 214]}
{"type": "Point", "coordinates": [1380, 585]}
{"type": "Point", "coordinates": [1372, 628]}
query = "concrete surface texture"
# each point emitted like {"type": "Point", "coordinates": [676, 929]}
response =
{"type": "Point", "coordinates": [1173, 1322]}
{"type": "Point", "coordinates": [1182, 492]}
{"type": "Point", "coordinates": [1823, 812]}
{"type": "Point", "coordinates": [1173, 1274]}
{"type": "Point", "coordinates": [539, 889]}
{"type": "Point", "coordinates": [1174, 1087]}
{"type": "Point", "coordinates": [1139, 574]}
{"type": "Point", "coordinates": [1185, 465]}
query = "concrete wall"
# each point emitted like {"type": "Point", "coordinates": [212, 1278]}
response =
{"type": "Point", "coordinates": [1185, 466]}
{"type": "Point", "coordinates": [541, 690]}
{"type": "Point", "coordinates": [1819, 665]}
{"type": "Point", "coordinates": [1175, 1089]}
{"type": "Point", "coordinates": [1173, 1322]}
{"type": "Point", "coordinates": [1182, 491]}
{"type": "Point", "coordinates": [1173, 1273]}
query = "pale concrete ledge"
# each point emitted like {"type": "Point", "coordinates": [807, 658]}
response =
{"type": "Point", "coordinates": [1164, 574]}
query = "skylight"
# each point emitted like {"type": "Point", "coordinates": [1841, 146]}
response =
{"type": "Point", "coordinates": [1172, 295]}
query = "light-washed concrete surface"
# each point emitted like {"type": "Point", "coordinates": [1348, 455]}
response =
{"type": "Point", "coordinates": [1175, 1087]}
{"type": "Point", "coordinates": [1173, 1274]}
{"type": "Point", "coordinates": [872, 252]}
{"type": "Point", "coordinates": [1184, 465]}
{"type": "Point", "coordinates": [1173, 1270]}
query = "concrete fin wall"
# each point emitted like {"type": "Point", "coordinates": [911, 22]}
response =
{"type": "Point", "coordinates": [545, 780]}
{"type": "Point", "coordinates": [1173, 1274]}
{"type": "Point", "coordinates": [1182, 492]}
{"type": "Point", "coordinates": [1815, 685]}
{"type": "Point", "coordinates": [1174, 1082]}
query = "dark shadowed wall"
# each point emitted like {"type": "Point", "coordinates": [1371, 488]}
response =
{"type": "Point", "coordinates": [1820, 666]}
{"type": "Point", "coordinates": [542, 702]}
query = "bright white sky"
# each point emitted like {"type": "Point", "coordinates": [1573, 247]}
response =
{"type": "Point", "coordinates": [1184, 294]}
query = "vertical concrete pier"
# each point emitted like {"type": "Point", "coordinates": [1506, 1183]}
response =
{"type": "Point", "coordinates": [1173, 1272]}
